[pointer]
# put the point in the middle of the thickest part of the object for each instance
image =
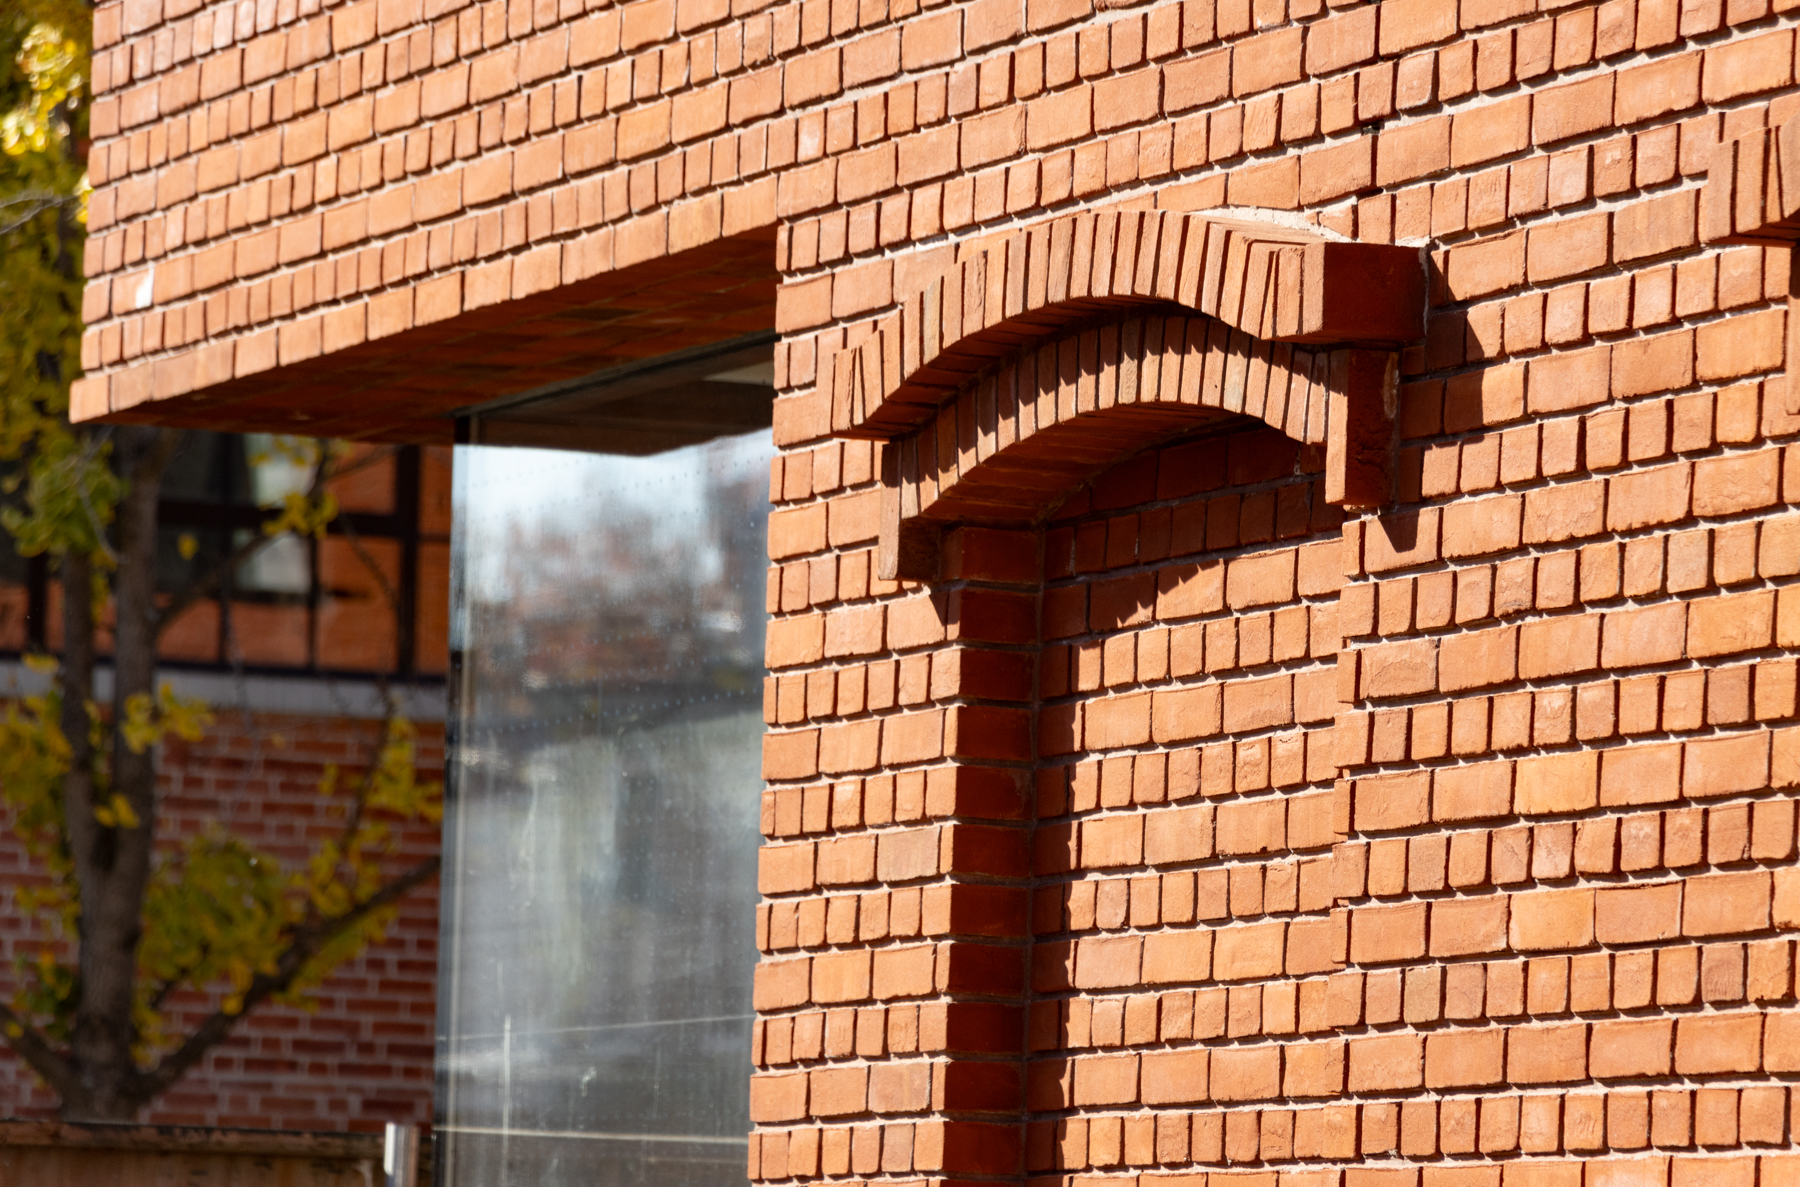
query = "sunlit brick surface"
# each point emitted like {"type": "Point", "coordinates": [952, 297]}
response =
{"type": "Point", "coordinates": [1184, 823]}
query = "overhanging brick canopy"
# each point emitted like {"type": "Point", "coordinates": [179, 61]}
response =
{"type": "Point", "coordinates": [989, 424]}
{"type": "Point", "coordinates": [396, 366]}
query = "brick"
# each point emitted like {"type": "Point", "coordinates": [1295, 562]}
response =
{"type": "Point", "coordinates": [1122, 100]}
{"type": "Point", "coordinates": [1740, 345]}
{"type": "Point", "coordinates": [841, 977]}
{"type": "Point", "coordinates": [1657, 88]}
{"type": "Point", "coordinates": [1486, 266]}
{"type": "Point", "coordinates": [1112, 841]}
{"type": "Point", "coordinates": [1726, 904]}
{"type": "Point", "coordinates": [1631, 1047]}
{"type": "Point", "coordinates": [1382, 934]}
{"type": "Point", "coordinates": [1173, 1077]}
{"type": "Point", "coordinates": [1386, 1063]}
{"type": "Point", "coordinates": [1654, 226]}
{"type": "Point", "coordinates": [1465, 1058]}
{"type": "Point", "coordinates": [1648, 498]}
{"type": "Point", "coordinates": [1559, 113]}
{"type": "Point", "coordinates": [1559, 646]}
{"type": "Point", "coordinates": [1569, 247]}
{"type": "Point", "coordinates": [1177, 957]}
{"type": "Point", "coordinates": [1723, 625]}
{"type": "Point", "coordinates": [1105, 1079]}
{"type": "Point", "coordinates": [1725, 766]}
{"type": "Point", "coordinates": [1646, 365]}
{"type": "Point", "coordinates": [1413, 150]}
{"type": "Point", "coordinates": [1653, 635]}
{"type": "Point", "coordinates": [1640, 774]}
{"type": "Point", "coordinates": [1552, 919]}
{"type": "Point", "coordinates": [1059, 119]}
{"type": "Point", "coordinates": [775, 1098]}
{"type": "Point", "coordinates": [1546, 1054]}
{"type": "Point", "coordinates": [1556, 783]}
{"type": "Point", "coordinates": [1268, 60]}
{"type": "Point", "coordinates": [1255, 951]}
{"type": "Point", "coordinates": [1407, 24]}
{"type": "Point", "coordinates": [1638, 914]}
{"type": "Point", "coordinates": [1718, 1043]}
{"type": "Point", "coordinates": [1764, 63]}
{"type": "Point", "coordinates": [1726, 486]}
{"type": "Point", "coordinates": [1464, 927]}
{"type": "Point", "coordinates": [1490, 131]}
{"type": "Point", "coordinates": [1245, 1073]}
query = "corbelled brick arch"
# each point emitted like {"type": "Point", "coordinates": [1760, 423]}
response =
{"type": "Point", "coordinates": [1133, 607]}
{"type": "Point", "coordinates": [993, 380]}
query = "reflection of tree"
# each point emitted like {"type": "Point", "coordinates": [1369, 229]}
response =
{"type": "Point", "coordinates": [609, 794]}
{"type": "Point", "coordinates": [633, 599]}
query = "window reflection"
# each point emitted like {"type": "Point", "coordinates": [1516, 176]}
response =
{"type": "Point", "coordinates": [594, 1018]}
{"type": "Point", "coordinates": [279, 467]}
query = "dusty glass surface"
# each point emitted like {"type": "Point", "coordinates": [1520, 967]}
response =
{"type": "Point", "coordinates": [601, 833]}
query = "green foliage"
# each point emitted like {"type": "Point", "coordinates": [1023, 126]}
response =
{"type": "Point", "coordinates": [304, 513]}
{"type": "Point", "coordinates": [34, 758]}
{"type": "Point", "coordinates": [44, 63]}
{"type": "Point", "coordinates": [217, 911]}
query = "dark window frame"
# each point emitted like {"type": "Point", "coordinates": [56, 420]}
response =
{"type": "Point", "coordinates": [222, 516]}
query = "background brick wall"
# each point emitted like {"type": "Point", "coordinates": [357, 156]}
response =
{"type": "Point", "coordinates": [364, 1056]}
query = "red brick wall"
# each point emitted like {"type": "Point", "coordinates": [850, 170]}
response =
{"type": "Point", "coordinates": [364, 1056]}
{"type": "Point", "coordinates": [1467, 855]}
{"type": "Point", "coordinates": [1184, 807]}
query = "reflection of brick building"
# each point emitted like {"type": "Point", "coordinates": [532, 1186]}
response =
{"type": "Point", "coordinates": [291, 665]}
{"type": "Point", "coordinates": [1300, 688]}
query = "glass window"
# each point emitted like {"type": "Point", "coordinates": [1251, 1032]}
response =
{"type": "Point", "coordinates": [602, 824]}
{"type": "Point", "coordinates": [370, 597]}
{"type": "Point", "coordinates": [279, 467]}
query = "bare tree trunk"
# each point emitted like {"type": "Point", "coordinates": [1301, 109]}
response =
{"type": "Point", "coordinates": [78, 693]}
{"type": "Point", "coordinates": [113, 864]}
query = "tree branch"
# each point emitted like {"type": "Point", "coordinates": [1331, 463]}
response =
{"type": "Point", "coordinates": [40, 201]}
{"type": "Point", "coordinates": [307, 942]}
{"type": "Point", "coordinates": [35, 1050]}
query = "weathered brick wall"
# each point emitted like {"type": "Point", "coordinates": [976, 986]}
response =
{"type": "Point", "coordinates": [1184, 822]}
{"type": "Point", "coordinates": [364, 1056]}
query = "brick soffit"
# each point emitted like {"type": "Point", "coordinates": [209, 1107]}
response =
{"type": "Point", "coordinates": [1295, 329]}
{"type": "Point", "coordinates": [355, 372]}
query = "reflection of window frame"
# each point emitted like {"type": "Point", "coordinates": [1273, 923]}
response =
{"type": "Point", "coordinates": [222, 518]}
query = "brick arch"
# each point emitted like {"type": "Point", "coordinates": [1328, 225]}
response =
{"type": "Point", "coordinates": [1039, 358]}
{"type": "Point", "coordinates": [1011, 444]}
